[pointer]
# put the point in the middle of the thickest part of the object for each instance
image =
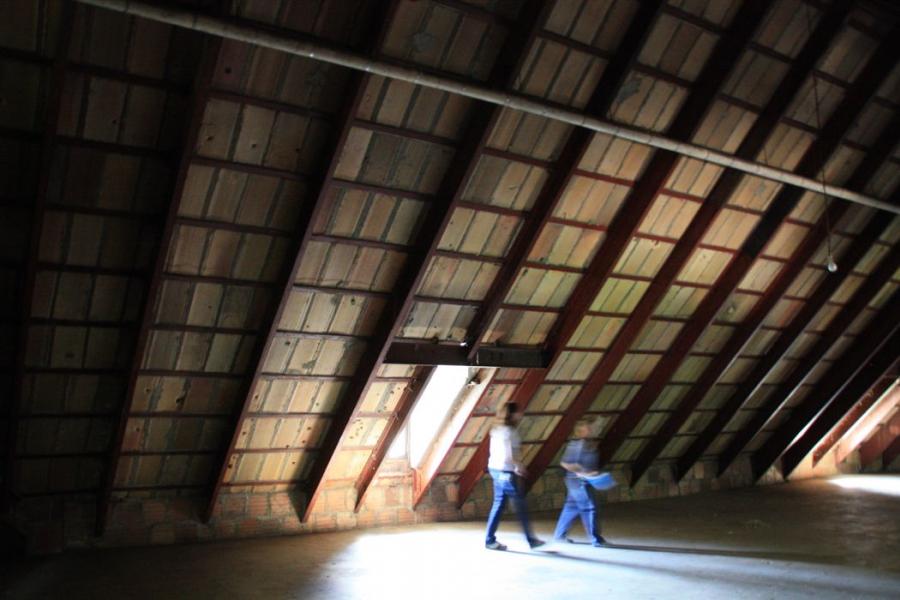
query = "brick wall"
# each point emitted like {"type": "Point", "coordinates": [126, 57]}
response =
{"type": "Point", "coordinates": [53, 524]}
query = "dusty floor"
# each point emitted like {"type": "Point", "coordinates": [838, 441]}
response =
{"type": "Point", "coordinates": [809, 539]}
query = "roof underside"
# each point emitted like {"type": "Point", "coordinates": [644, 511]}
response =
{"type": "Point", "coordinates": [207, 245]}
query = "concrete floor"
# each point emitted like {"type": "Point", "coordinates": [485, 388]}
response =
{"type": "Point", "coordinates": [807, 539]}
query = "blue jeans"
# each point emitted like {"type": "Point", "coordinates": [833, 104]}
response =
{"type": "Point", "coordinates": [506, 487]}
{"type": "Point", "coordinates": [579, 502]}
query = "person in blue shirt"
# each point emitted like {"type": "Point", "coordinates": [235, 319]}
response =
{"type": "Point", "coordinates": [506, 468]}
{"type": "Point", "coordinates": [580, 461]}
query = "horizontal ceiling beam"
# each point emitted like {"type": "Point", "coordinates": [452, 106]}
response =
{"type": "Point", "coordinates": [415, 353]}
{"type": "Point", "coordinates": [318, 51]}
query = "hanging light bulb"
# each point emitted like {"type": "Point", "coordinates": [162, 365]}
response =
{"type": "Point", "coordinates": [831, 266]}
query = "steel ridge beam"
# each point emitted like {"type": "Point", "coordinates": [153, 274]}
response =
{"type": "Point", "coordinates": [304, 234]}
{"type": "Point", "coordinates": [626, 222]}
{"type": "Point", "coordinates": [877, 337]}
{"type": "Point", "coordinates": [316, 50]}
{"type": "Point", "coordinates": [435, 222]}
{"type": "Point", "coordinates": [836, 328]}
{"type": "Point", "coordinates": [47, 138]}
{"type": "Point", "coordinates": [862, 384]}
{"type": "Point", "coordinates": [601, 100]}
{"type": "Point", "coordinates": [415, 353]}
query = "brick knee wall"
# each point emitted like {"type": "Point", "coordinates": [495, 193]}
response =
{"type": "Point", "coordinates": [53, 524]}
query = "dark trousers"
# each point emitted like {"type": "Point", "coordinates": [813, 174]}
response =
{"type": "Point", "coordinates": [506, 487]}
{"type": "Point", "coordinates": [579, 503]}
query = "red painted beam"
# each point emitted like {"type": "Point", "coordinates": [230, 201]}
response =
{"type": "Point", "coordinates": [304, 235]}
{"type": "Point", "coordinates": [395, 423]}
{"type": "Point", "coordinates": [837, 326]}
{"type": "Point", "coordinates": [435, 222]}
{"type": "Point", "coordinates": [54, 88]}
{"type": "Point", "coordinates": [861, 386]}
{"type": "Point", "coordinates": [878, 336]}
{"type": "Point", "coordinates": [601, 100]}
{"type": "Point", "coordinates": [868, 399]}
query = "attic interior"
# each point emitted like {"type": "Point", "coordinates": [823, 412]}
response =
{"type": "Point", "coordinates": [271, 267]}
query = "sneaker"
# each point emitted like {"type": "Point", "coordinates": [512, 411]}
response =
{"type": "Point", "coordinates": [536, 543]}
{"type": "Point", "coordinates": [599, 542]}
{"type": "Point", "coordinates": [495, 546]}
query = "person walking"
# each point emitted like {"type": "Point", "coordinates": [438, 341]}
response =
{"type": "Point", "coordinates": [506, 469]}
{"type": "Point", "coordinates": [581, 462]}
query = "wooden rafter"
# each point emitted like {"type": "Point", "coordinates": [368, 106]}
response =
{"type": "Point", "coordinates": [866, 400]}
{"type": "Point", "coordinates": [836, 328]}
{"type": "Point", "coordinates": [601, 100]}
{"type": "Point", "coordinates": [304, 234]}
{"type": "Point", "coordinates": [47, 143]}
{"type": "Point", "coordinates": [865, 385]}
{"type": "Point", "coordinates": [813, 160]}
{"type": "Point", "coordinates": [681, 253]}
{"type": "Point", "coordinates": [395, 424]}
{"type": "Point", "coordinates": [879, 337]}
{"type": "Point", "coordinates": [562, 173]}
{"type": "Point", "coordinates": [891, 453]}
{"type": "Point", "coordinates": [715, 74]}
{"type": "Point", "coordinates": [436, 220]}
{"type": "Point", "coordinates": [752, 324]}
{"type": "Point", "coordinates": [200, 94]}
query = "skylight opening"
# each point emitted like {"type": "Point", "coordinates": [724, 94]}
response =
{"type": "Point", "coordinates": [429, 413]}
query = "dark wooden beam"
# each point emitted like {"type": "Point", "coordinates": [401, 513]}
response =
{"type": "Point", "coordinates": [752, 324]}
{"type": "Point", "coordinates": [199, 96]}
{"type": "Point", "coordinates": [715, 73]}
{"type": "Point", "coordinates": [862, 406]}
{"type": "Point", "coordinates": [878, 336]}
{"type": "Point", "coordinates": [52, 106]}
{"type": "Point", "coordinates": [891, 453]}
{"type": "Point", "coordinates": [861, 89]}
{"type": "Point", "coordinates": [564, 170]}
{"type": "Point", "coordinates": [682, 251]}
{"type": "Point", "coordinates": [836, 328]}
{"type": "Point", "coordinates": [435, 222]}
{"type": "Point", "coordinates": [603, 97]}
{"type": "Point", "coordinates": [415, 353]}
{"type": "Point", "coordinates": [863, 385]}
{"type": "Point", "coordinates": [396, 420]}
{"type": "Point", "coordinates": [383, 16]}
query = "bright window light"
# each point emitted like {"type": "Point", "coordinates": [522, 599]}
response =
{"type": "Point", "coordinates": [432, 407]}
{"type": "Point", "coordinates": [429, 413]}
{"type": "Point", "coordinates": [398, 446]}
{"type": "Point", "coordinates": [889, 485]}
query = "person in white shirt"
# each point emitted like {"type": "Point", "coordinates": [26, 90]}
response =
{"type": "Point", "coordinates": [506, 469]}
